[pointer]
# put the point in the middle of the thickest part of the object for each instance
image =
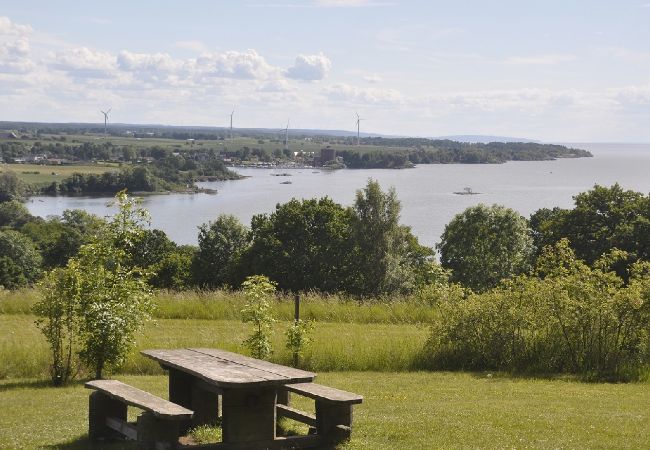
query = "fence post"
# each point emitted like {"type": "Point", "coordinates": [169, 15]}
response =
{"type": "Point", "coordinates": [296, 318]}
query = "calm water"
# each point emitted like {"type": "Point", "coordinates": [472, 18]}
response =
{"type": "Point", "coordinates": [426, 192]}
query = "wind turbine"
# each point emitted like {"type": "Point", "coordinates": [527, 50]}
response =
{"type": "Point", "coordinates": [231, 114]}
{"type": "Point", "coordinates": [286, 136]}
{"type": "Point", "coordinates": [359, 119]}
{"type": "Point", "coordinates": [105, 119]}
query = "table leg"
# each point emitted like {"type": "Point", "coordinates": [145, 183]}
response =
{"type": "Point", "coordinates": [248, 414]}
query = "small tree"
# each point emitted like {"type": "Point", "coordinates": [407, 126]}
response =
{"type": "Point", "coordinates": [258, 291]}
{"type": "Point", "coordinates": [57, 320]}
{"type": "Point", "coordinates": [299, 338]}
{"type": "Point", "coordinates": [99, 300]}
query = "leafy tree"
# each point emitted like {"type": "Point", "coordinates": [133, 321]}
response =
{"type": "Point", "coordinates": [57, 311]}
{"type": "Point", "coordinates": [14, 214]}
{"type": "Point", "coordinates": [299, 337]}
{"type": "Point", "coordinates": [258, 291]}
{"type": "Point", "coordinates": [174, 270]}
{"type": "Point", "coordinates": [150, 248]}
{"type": "Point", "coordinates": [110, 297]}
{"type": "Point", "coordinates": [485, 244]}
{"type": "Point", "coordinates": [220, 245]}
{"type": "Point", "coordinates": [602, 219]}
{"type": "Point", "coordinates": [303, 245]}
{"type": "Point", "coordinates": [20, 262]}
{"type": "Point", "coordinates": [11, 188]}
{"type": "Point", "coordinates": [387, 257]}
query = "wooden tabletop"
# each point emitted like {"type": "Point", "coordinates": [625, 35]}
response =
{"type": "Point", "coordinates": [227, 369]}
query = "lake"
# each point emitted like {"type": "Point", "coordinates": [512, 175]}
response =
{"type": "Point", "coordinates": [426, 192]}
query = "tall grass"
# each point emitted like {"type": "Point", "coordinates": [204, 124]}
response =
{"type": "Point", "coordinates": [225, 305]}
{"type": "Point", "coordinates": [336, 346]}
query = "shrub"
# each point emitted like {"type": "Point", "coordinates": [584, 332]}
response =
{"type": "Point", "coordinates": [570, 318]}
{"type": "Point", "coordinates": [257, 311]}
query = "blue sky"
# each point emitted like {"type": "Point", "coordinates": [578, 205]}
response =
{"type": "Point", "coordinates": [548, 70]}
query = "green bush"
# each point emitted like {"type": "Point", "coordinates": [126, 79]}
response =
{"type": "Point", "coordinates": [570, 318]}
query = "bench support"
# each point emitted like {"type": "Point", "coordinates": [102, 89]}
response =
{"type": "Point", "coordinates": [333, 421]}
{"type": "Point", "coordinates": [157, 434]}
{"type": "Point", "coordinates": [248, 415]}
{"type": "Point", "coordinates": [100, 408]}
{"type": "Point", "coordinates": [184, 391]}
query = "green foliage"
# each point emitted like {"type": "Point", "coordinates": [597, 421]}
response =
{"type": "Point", "coordinates": [109, 297]}
{"type": "Point", "coordinates": [11, 187]}
{"type": "Point", "coordinates": [174, 270]}
{"type": "Point", "coordinates": [221, 244]}
{"type": "Point", "coordinates": [20, 262]}
{"type": "Point", "coordinates": [299, 338]}
{"type": "Point", "coordinates": [13, 214]}
{"type": "Point", "coordinates": [574, 319]}
{"type": "Point", "coordinates": [485, 244]}
{"type": "Point", "coordinates": [206, 434]}
{"type": "Point", "coordinates": [257, 311]}
{"type": "Point", "coordinates": [602, 219]}
{"type": "Point", "coordinates": [303, 245]}
{"type": "Point", "coordinates": [58, 311]}
{"type": "Point", "coordinates": [387, 258]}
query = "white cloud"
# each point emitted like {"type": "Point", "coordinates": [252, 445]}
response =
{"type": "Point", "coordinates": [7, 27]}
{"type": "Point", "coordinates": [309, 67]}
{"type": "Point", "coordinates": [84, 62]}
{"type": "Point", "coordinates": [246, 65]}
{"type": "Point", "coordinates": [147, 62]}
{"type": "Point", "coordinates": [372, 96]}
{"type": "Point", "coordinates": [14, 56]}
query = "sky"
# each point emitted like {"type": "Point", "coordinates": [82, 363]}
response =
{"type": "Point", "coordinates": [564, 71]}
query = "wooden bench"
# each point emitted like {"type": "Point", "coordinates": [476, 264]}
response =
{"type": "Point", "coordinates": [333, 418]}
{"type": "Point", "coordinates": [158, 427]}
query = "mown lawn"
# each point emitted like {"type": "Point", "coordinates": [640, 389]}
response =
{"type": "Point", "coordinates": [400, 411]}
{"type": "Point", "coordinates": [37, 174]}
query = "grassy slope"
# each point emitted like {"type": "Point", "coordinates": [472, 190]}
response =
{"type": "Point", "coordinates": [400, 411]}
{"type": "Point", "coordinates": [47, 174]}
{"type": "Point", "coordinates": [24, 353]}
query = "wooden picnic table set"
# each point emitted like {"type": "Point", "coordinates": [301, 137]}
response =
{"type": "Point", "coordinates": [252, 394]}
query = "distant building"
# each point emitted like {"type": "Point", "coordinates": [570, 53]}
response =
{"type": "Point", "coordinates": [8, 135]}
{"type": "Point", "coordinates": [327, 154]}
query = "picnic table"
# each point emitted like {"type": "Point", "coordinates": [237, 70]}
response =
{"type": "Point", "coordinates": [248, 388]}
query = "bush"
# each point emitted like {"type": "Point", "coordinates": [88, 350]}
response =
{"type": "Point", "coordinates": [572, 318]}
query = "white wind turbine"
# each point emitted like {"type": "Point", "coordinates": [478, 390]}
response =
{"type": "Point", "coordinates": [105, 113]}
{"type": "Point", "coordinates": [359, 119]}
{"type": "Point", "coordinates": [286, 136]}
{"type": "Point", "coordinates": [231, 114]}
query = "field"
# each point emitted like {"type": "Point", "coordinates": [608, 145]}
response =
{"type": "Point", "coordinates": [368, 349]}
{"type": "Point", "coordinates": [40, 175]}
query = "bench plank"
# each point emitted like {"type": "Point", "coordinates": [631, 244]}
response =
{"type": "Point", "coordinates": [296, 414]}
{"type": "Point", "coordinates": [222, 372]}
{"type": "Point", "coordinates": [324, 393]}
{"type": "Point", "coordinates": [140, 399]}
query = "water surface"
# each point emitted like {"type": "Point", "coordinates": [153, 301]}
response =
{"type": "Point", "coordinates": [426, 192]}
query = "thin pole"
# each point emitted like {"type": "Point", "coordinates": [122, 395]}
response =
{"type": "Point", "coordinates": [296, 318]}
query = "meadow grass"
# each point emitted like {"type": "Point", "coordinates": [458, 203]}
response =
{"type": "Point", "coordinates": [225, 305]}
{"type": "Point", "coordinates": [37, 174]}
{"type": "Point", "coordinates": [336, 347]}
{"type": "Point", "coordinates": [400, 411]}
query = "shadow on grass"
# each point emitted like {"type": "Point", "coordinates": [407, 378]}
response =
{"type": "Point", "coordinates": [32, 384]}
{"type": "Point", "coordinates": [83, 442]}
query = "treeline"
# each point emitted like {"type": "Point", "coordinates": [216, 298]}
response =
{"type": "Point", "coordinates": [566, 291]}
{"type": "Point", "coordinates": [426, 151]}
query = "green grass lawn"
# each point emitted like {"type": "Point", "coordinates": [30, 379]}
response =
{"type": "Point", "coordinates": [37, 174]}
{"type": "Point", "coordinates": [400, 411]}
{"type": "Point", "coordinates": [384, 347]}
